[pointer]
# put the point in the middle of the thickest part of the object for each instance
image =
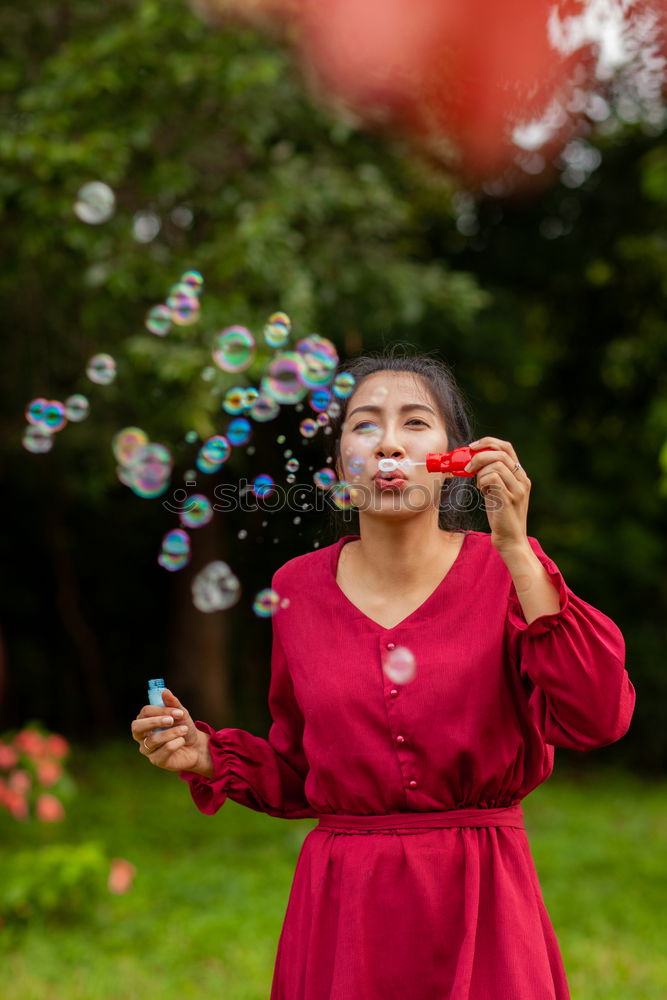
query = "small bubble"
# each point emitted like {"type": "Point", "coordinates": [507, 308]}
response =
{"type": "Point", "coordinates": [250, 450]}
{"type": "Point", "coordinates": [264, 523]}
{"type": "Point", "coordinates": [191, 437]}
{"type": "Point", "coordinates": [297, 520]}
{"type": "Point", "coordinates": [299, 407]}
{"type": "Point", "coordinates": [316, 545]}
{"type": "Point", "coordinates": [242, 534]}
{"type": "Point", "coordinates": [290, 477]}
{"type": "Point", "coordinates": [281, 439]}
{"type": "Point", "coordinates": [288, 453]}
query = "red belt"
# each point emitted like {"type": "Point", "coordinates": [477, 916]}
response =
{"type": "Point", "coordinates": [419, 822]}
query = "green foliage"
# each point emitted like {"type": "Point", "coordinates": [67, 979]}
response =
{"type": "Point", "coordinates": [58, 881]}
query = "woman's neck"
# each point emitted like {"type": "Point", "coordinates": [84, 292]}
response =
{"type": "Point", "coordinates": [401, 552]}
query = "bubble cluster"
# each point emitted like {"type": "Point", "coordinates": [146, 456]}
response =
{"type": "Point", "coordinates": [175, 552]}
{"type": "Point", "coordinates": [215, 588]}
{"type": "Point", "coordinates": [101, 369]}
{"type": "Point", "coordinates": [95, 203]}
{"type": "Point", "coordinates": [45, 417]}
{"type": "Point", "coordinates": [181, 307]}
{"type": "Point", "coordinates": [266, 603]}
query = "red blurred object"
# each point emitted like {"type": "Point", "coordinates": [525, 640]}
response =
{"type": "Point", "coordinates": [452, 461]}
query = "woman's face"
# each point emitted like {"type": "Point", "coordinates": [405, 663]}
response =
{"type": "Point", "coordinates": [392, 415]}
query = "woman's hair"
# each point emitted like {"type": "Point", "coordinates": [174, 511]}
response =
{"type": "Point", "coordinates": [453, 408]}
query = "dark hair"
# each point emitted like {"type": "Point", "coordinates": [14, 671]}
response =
{"type": "Point", "coordinates": [454, 410]}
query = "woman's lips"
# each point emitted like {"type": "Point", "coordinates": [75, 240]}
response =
{"type": "Point", "coordinates": [395, 482]}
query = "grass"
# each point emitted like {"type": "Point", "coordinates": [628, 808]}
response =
{"type": "Point", "coordinates": [210, 893]}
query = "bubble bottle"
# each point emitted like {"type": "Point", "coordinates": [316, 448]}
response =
{"type": "Point", "coordinates": [447, 461]}
{"type": "Point", "coordinates": [155, 689]}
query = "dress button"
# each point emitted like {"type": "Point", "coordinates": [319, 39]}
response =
{"type": "Point", "coordinates": [412, 784]}
{"type": "Point", "coordinates": [394, 692]}
{"type": "Point", "coordinates": [391, 645]}
{"type": "Point", "coordinates": [400, 739]}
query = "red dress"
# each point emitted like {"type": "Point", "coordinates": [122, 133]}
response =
{"type": "Point", "coordinates": [418, 882]}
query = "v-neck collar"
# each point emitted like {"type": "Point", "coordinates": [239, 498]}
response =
{"type": "Point", "coordinates": [335, 556]}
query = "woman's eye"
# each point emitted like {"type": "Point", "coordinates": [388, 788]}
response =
{"type": "Point", "coordinates": [416, 420]}
{"type": "Point", "coordinates": [364, 425]}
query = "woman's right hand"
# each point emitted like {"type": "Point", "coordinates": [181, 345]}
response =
{"type": "Point", "coordinates": [181, 746]}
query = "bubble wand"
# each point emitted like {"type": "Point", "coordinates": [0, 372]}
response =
{"type": "Point", "coordinates": [446, 461]}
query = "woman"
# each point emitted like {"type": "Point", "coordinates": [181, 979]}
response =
{"type": "Point", "coordinates": [421, 677]}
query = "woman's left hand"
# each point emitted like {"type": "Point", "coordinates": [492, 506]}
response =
{"type": "Point", "coordinates": [506, 490]}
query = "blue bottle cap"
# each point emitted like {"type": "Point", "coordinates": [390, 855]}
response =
{"type": "Point", "coordinates": [157, 682]}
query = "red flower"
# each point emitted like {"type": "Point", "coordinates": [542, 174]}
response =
{"type": "Point", "coordinates": [48, 771]}
{"type": "Point", "coordinates": [29, 741]}
{"type": "Point", "coordinates": [56, 745]}
{"type": "Point", "coordinates": [49, 809]}
{"type": "Point", "coordinates": [15, 803]}
{"type": "Point", "coordinates": [19, 781]}
{"type": "Point", "coordinates": [8, 756]}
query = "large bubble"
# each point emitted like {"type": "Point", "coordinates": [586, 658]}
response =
{"type": "Point", "coordinates": [95, 203]}
{"type": "Point", "coordinates": [320, 360]}
{"type": "Point", "coordinates": [283, 379]}
{"type": "Point", "coordinates": [343, 384]}
{"type": "Point", "coordinates": [127, 442]}
{"type": "Point", "coordinates": [215, 588]}
{"type": "Point", "coordinates": [234, 349]}
{"type": "Point", "coordinates": [150, 469]}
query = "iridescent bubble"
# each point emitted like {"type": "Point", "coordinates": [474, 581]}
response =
{"type": "Point", "coordinates": [127, 443]}
{"type": "Point", "coordinates": [150, 470]}
{"type": "Point", "coordinates": [283, 378]}
{"type": "Point", "coordinates": [197, 511]}
{"type": "Point", "coordinates": [292, 464]}
{"type": "Point", "coordinates": [281, 439]}
{"type": "Point", "coordinates": [287, 453]}
{"type": "Point", "coordinates": [276, 331]}
{"type": "Point", "coordinates": [266, 603]}
{"type": "Point", "coordinates": [320, 360]}
{"type": "Point", "coordinates": [77, 408]}
{"type": "Point", "coordinates": [239, 431]}
{"type": "Point", "coordinates": [242, 534]}
{"type": "Point", "coordinates": [95, 203]}
{"type": "Point", "coordinates": [208, 373]}
{"type": "Point", "coordinates": [285, 603]}
{"type": "Point", "coordinates": [234, 401]}
{"type": "Point", "coordinates": [262, 485]}
{"type": "Point", "coordinates": [308, 428]}
{"type": "Point", "coordinates": [215, 588]}
{"type": "Point", "coordinates": [34, 411]}
{"type": "Point", "coordinates": [195, 280]}
{"type": "Point", "coordinates": [37, 440]}
{"type": "Point", "coordinates": [319, 399]}
{"type": "Point", "coordinates": [343, 384]}
{"type": "Point", "coordinates": [234, 349]}
{"type": "Point", "coordinates": [54, 417]}
{"type": "Point", "coordinates": [184, 308]}
{"type": "Point", "coordinates": [356, 464]}
{"type": "Point", "coordinates": [322, 419]}
{"type": "Point", "coordinates": [191, 437]}
{"type": "Point", "coordinates": [264, 408]}
{"type": "Point", "coordinates": [206, 465]}
{"type": "Point", "coordinates": [399, 665]}
{"type": "Point", "coordinates": [324, 478]}
{"type": "Point", "coordinates": [175, 552]}
{"type": "Point", "coordinates": [251, 394]}
{"type": "Point", "coordinates": [101, 369]}
{"type": "Point", "coordinates": [340, 494]}
{"type": "Point", "coordinates": [216, 448]}
{"type": "Point", "coordinates": [158, 320]}
{"type": "Point", "coordinates": [290, 478]}
{"type": "Point", "coordinates": [190, 477]}
{"type": "Point", "coordinates": [334, 409]}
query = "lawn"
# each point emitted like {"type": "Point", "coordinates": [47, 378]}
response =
{"type": "Point", "coordinates": [209, 896]}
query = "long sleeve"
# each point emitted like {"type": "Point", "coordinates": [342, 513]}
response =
{"type": "Point", "coordinates": [573, 664]}
{"type": "Point", "coordinates": [267, 775]}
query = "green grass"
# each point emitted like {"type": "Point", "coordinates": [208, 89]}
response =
{"type": "Point", "coordinates": [210, 893]}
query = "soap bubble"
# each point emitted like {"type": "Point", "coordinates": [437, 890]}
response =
{"type": "Point", "coordinates": [149, 471]}
{"type": "Point", "coordinates": [95, 203]}
{"type": "Point", "coordinates": [324, 478]}
{"type": "Point", "coordinates": [197, 512]}
{"type": "Point", "coordinates": [262, 485]}
{"type": "Point", "coordinates": [322, 419]}
{"type": "Point", "coordinates": [158, 320]}
{"type": "Point", "coordinates": [175, 552]}
{"type": "Point", "coordinates": [53, 416]}
{"type": "Point", "coordinates": [195, 280]}
{"type": "Point", "coordinates": [101, 369]}
{"type": "Point", "coordinates": [215, 588]}
{"type": "Point", "coordinates": [264, 408]}
{"type": "Point", "coordinates": [340, 494]}
{"type": "Point", "coordinates": [251, 394]}
{"type": "Point", "coordinates": [343, 384]}
{"type": "Point", "coordinates": [320, 360]}
{"type": "Point", "coordinates": [208, 373]}
{"type": "Point", "coordinates": [242, 534]}
{"type": "Point", "coordinates": [37, 440]}
{"type": "Point", "coordinates": [234, 401]}
{"type": "Point", "coordinates": [334, 409]}
{"type": "Point", "coordinates": [276, 331]}
{"type": "Point", "coordinates": [126, 444]}
{"type": "Point", "coordinates": [290, 478]}
{"type": "Point", "coordinates": [216, 448]}
{"type": "Point", "coordinates": [234, 348]}
{"type": "Point", "coordinates": [356, 464]}
{"type": "Point", "coordinates": [292, 464]}
{"type": "Point", "coordinates": [283, 379]}
{"type": "Point", "coordinates": [34, 411]}
{"type": "Point", "coordinates": [399, 665]}
{"type": "Point", "coordinates": [191, 437]}
{"type": "Point", "coordinates": [77, 408]}
{"type": "Point", "coordinates": [319, 399]}
{"type": "Point", "coordinates": [266, 603]}
{"type": "Point", "coordinates": [308, 428]}
{"type": "Point", "coordinates": [184, 308]}
{"type": "Point", "coordinates": [239, 431]}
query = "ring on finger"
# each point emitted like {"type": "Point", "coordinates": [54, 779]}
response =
{"type": "Point", "coordinates": [146, 746]}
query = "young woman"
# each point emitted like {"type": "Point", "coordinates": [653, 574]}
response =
{"type": "Point", "coordinates": [421, 677]}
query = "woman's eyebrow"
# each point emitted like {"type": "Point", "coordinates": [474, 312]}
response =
{"type": "Point", "coordinates": [406, 406]}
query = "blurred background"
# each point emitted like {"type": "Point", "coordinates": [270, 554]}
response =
{"type": "Point", "coordinates": [372, 212]}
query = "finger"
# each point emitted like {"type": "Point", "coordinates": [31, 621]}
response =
{"type": "Point", "coordinates": [500, 476]}
{"type": "Point", "coordinates": [486, 459]}
{"type": "Point", "coordinates": [497, 444]}
{"type": "Point", "coordinates": [152, 741]}
{"type": "Point", "coordinates": [161, 754]}
{"type": "Point", "coordinates": [170, 701]}
{"type": "Point", "coordinates": [141, 727]}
